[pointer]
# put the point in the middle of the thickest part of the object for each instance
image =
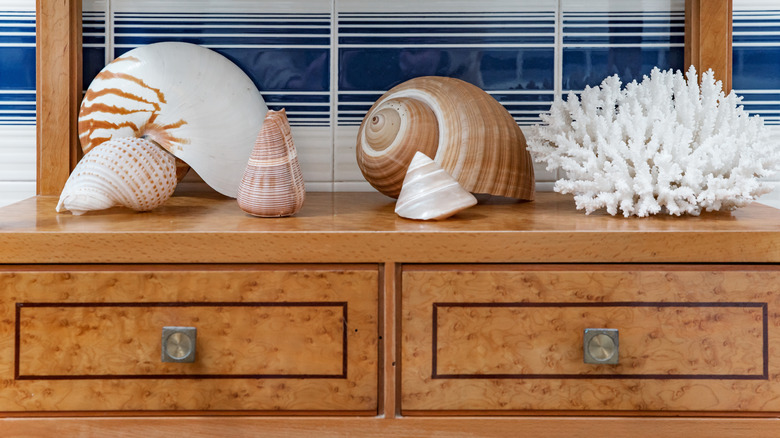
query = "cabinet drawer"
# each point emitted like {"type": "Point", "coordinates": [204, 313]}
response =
{"type": "Point", "coordinates": [268, 339]}
{"type": "Point", "coordinates": [510, 338]}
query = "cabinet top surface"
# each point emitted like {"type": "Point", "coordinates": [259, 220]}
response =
{"type": "Point", "coordinates": [362, 227]}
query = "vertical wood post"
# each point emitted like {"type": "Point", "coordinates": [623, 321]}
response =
{"type": "Point", "coordinates": [58, 91]}
{"type": "Point", "coordinates": [708, 38]}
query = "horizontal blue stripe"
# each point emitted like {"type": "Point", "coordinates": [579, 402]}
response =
{"type": "Point", "coordinates": [618, 39]}
{"type": "Point", "coordinates": [244, 23]}
{"type": "Point", "coordinates": [454, 40]}
{"type": "Point", "coordinates": [221, 14]}
{"type": "Point", "coordinates": [435, 30]}
{"type": "Point", "coordinates": [523, 97]}
{"type": "Point", "coordinates": [304, 98]}
{"type": "Point", "coordinates": [119, 31]}
{"type": "Point", "coordinates": [667, 22]}
{"type": "Point", "coordinates": [10, 107]}
{"type": "Point", "coordinates": [527, 108]}
{"type": "Point", "coordinates": [140, 41]}
{"type": "Point", "coordinates": [497, 69]}
{"type": "Point", "coordinates": [751, 98]}
{"type": "Point", "coordinates": [752, 26]}
{"type": "Point", "coordinates": [292, 116]}
{"type": "Point", "coordinates": [14, 39]}
{"type": "Point", "coordinates": [93, 40]}
{"type": "Point", "coordinates": [359, 97]}
{"type": "Point", "coordinates": [759, 108]}
{"type": "Point", "coordinates": [25, 29]}
{"type": "Point", "coordinates": [619, 30]}
{"type": "Point", "coordinates": [431, 21]}
{"type": "Point", "coordinates": [300, 108]}
{"type": "Point", "coordinates": [756, 38]}
{"type": "Point", "coordinates": [17, 97]}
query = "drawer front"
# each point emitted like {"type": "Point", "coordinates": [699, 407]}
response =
{"type": "Point", "coordinates": [498, 338]}
{"type": "Point", "coordinates": [268, 339]}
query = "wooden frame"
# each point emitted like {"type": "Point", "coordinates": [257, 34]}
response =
{"type": "Point", "coordinates": [59, 88]}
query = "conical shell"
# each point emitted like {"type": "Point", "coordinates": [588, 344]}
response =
{"type": "Point", "coordinates": [272, 184]}
{"type": "Point", "coordinates": [192, 101]}
{"type": "Point", "coordinates": [466, 131]}
{"type": "Point", "coordinates": [429, 192]}
{"type": "Point", "coordinates": [131, 172]}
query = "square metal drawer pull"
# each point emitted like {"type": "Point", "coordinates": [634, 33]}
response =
{"type": "Point", "coordinates": [600, 346]}
{"type": "Point", "coordinates": [178, 344]}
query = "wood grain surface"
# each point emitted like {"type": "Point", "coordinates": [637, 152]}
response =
{"type": "Point", "coordinates": [58, 91]}
{"type": "Point", "coordinates": [674, 356]}
{"type": "Point", "coordinates": [74, 342]}
{"type": "Point", "coordinates": [362, 228]}
{"type": "Point", "coordinates": [708, 30]}
{"type": "Point", "coordinates": [447, 427]}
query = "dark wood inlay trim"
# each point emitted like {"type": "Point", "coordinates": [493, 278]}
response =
{"type": "Point", "coordinates": [17, 340]}
{"type": "Point", "coordinates": [760, 305]}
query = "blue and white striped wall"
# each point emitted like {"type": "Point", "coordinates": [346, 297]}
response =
{"type": "Point", "coordinates": [17, 100]}
{"type": "Point", "coordinates": [327, 61]}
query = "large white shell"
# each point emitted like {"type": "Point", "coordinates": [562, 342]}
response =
{"type": "Point", "coordinates": [192, 101]}
{"type": "Point", "coordinates": [273, 185]}
{"type": "Point", "coordinates": [429, 192]}
{"type": "Point", "coordinates": [131, 172]}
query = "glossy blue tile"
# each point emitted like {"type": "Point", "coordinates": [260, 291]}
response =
{"type": "Point", "coordinates": [17, 69]}
{"type": "Point", "coordinates": [589, 66]}
{"type": "Point", "coordinates": [491, 69]}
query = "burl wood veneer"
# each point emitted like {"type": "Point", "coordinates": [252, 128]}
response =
{"type": "Point", "coordinates": [89, 338]}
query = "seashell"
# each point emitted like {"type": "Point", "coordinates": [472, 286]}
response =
{"type": "Point", "coordinates": [429, 192]}
{"type": "Point", "coordinates": [131, 172]}
{"type": "Point", "coordinates": [272, 184]}
{"type": "Point", "coordinates": [190, 100]}
{"type": "Point", "coordinates": [463, 128]}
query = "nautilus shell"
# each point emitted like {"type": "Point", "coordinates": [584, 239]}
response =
{"type": "Point", "coordinates": [429, 192]}
{"type": "Point", "coordinates": [129, 172]}
{"type": "Point", "coordinates": [272, 184]}
{"type": "Point", "coordinates": [465, 130]}
{"type": "Point", "coordinates": [190, 100]}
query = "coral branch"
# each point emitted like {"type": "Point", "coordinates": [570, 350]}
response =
{"type": "Point", "coordinates": [665, 144]}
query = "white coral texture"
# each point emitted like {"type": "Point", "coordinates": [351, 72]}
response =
{"type": "Point", "coordinates": [663, 145]}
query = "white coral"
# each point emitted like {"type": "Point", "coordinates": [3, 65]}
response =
{"type": "Point", "coordinates": [664, 144]}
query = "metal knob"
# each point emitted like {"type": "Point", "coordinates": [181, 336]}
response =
{"type": "Point", "coordinates": [600, 346]}
{"type": "Point", "coordinates": [178, 344]}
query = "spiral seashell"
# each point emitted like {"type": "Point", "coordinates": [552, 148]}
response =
{"type": "Point", "coordinates": [463, 128]}
{"type": "Point", "coordinates": [190, 100]}
{"type": "Point", "coordinates": [429, 192]}
{"type": "Point", "coordinates": [131, 172]}
{"type": "Point", "coordinates": [272, 185]}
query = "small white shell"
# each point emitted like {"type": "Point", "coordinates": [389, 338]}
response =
{"type": "Point", "coordinates": [429, 192]}
{"type": "Point", "coordinates": [192, 101]}
{"type": "Point", "coordinates": [131, 172]}
{"type": "Point", "coordinates": [272, 185]}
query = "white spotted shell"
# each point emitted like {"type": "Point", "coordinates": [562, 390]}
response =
{"type": "Point", "coordinates": [430, 193]}
{"type": "Point", "coordinates": [129, 172]}
{"type": "Point", "coordinates": [192, 101]}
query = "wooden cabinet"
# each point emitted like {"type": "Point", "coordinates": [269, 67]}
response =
{"type": "Point", "coordinates": [348, 319]}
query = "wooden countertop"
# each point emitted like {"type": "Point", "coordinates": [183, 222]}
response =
{"type": "Point", "coordinates": [362, 228]}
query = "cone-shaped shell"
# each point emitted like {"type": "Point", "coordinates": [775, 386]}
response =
{"type": "Point", "coordinates": [466, 131]}
{"type": "Point", "coordinates": [131, 172]}
{"type": "Point", "coordinates": [192, 101]}
{"type": "Point", "coordinates": [429, 192]}
{"type": "Point", "coordinates": [272, 185]}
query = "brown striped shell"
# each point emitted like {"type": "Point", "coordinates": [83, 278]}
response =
{"type": "Point", "coordinates": [464, 129]}
{"type": "Point", "coordinates": [190, 100]}
{"type": "Point", "coordinates": [272, 184]}
{"type": "Point", "coordinates": [129, 172]}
